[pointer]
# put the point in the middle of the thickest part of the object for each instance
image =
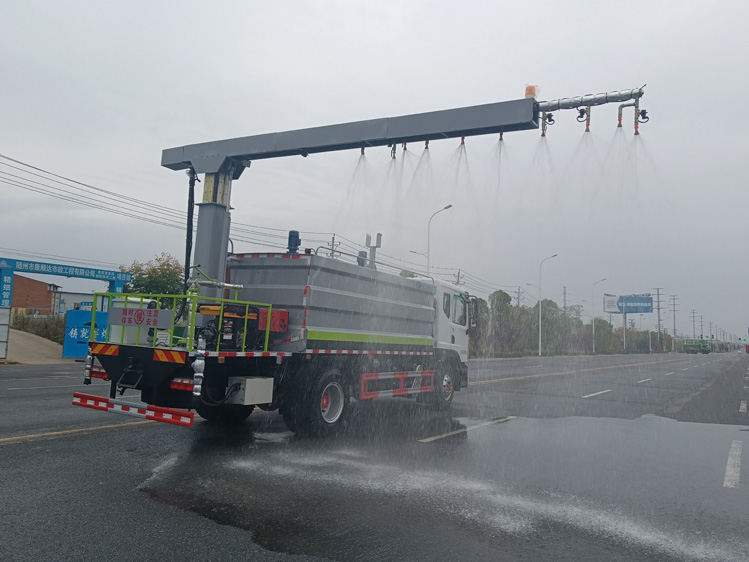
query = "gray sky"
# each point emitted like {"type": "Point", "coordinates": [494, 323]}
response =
{"type": "Point", "coordinates": [95, 90]}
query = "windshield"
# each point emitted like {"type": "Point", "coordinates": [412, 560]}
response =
{"type": "Point", "coordinates": [387, 281]}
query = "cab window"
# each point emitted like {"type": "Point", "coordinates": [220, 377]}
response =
{"type": "Point", "coordinates": [446, 304]}
{"type": "Point", "coordinates": [459, 310]}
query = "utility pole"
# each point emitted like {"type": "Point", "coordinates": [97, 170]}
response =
{"type": "Point", "coordinates": [673, 309]}
{"type": "Point", "coordinates": [564, 299]}
{"type": "Point", "coordinates": [458, 280]}
{"type": "Point", "coordinates": [702, 332]}
{"type": "Point", "coordinates": [333, 245]}
{"type": "Point", "coordinates": [694, 329]}
{"type": "Point", "coordinates": [519, 291]}
{"type": "Point", "coordinates": [658, 300]}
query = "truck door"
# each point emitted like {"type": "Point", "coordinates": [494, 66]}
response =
{"type": "Point", "coordinates": [452, 324]}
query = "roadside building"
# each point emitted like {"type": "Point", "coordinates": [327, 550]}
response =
{"type": "Point", "coordinates": [34, 298]}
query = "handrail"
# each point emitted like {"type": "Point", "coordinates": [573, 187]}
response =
{"type": "Point", "coordinates": [162, 302]}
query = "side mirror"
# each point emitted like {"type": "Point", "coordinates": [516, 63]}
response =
{"type": "Point", "coordinates": [474, 306]}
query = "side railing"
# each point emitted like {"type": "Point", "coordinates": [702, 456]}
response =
{"type": "Point", "coordinates": [150, 320]}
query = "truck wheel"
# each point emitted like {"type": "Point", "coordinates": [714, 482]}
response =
{"type": "Point", "coordinates": [327, 405]}
{"type": "Point", "coordinates": [229, 414]}
{"type": "Point", "coordinates": [443, 389]}
{"type": "Point", "coordinates": [321, 408]}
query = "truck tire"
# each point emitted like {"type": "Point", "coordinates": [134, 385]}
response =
{"type": "Point", "coordinates": [229, 414]}
{"type": "Point", "coordinates": [444, 389]}
{"type": "Point", "coordinates": [321, 409]}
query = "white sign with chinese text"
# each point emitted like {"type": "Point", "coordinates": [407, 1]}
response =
{"type": "Point", "coordinates": [141, 318]}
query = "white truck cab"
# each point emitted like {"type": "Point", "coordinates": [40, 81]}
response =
{"type": "Point", "coordinates": [452, 322]}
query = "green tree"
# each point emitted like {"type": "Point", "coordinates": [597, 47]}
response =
{"type": "Point", "coordinates": [163, 275]}
{"type": "Point", "coordinates": [480, 340]}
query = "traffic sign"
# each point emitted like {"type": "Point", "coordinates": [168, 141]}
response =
{"type": "Point", "coordinates": [627, 304]}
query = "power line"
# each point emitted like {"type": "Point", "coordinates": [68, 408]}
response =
{"type": "Point", "coordinates": [122, 205]}
{"type": "Point", "coordinates": [81, 261]}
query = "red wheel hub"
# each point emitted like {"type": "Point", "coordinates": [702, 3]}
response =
{"type": "Point", "coordinates": [324, 402]}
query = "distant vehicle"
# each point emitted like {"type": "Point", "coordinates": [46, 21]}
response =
{"type": "Point", "coordinates": [696, 347]}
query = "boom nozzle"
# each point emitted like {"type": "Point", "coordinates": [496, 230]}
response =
{"type": "Point", "coordinates": [584, 103]}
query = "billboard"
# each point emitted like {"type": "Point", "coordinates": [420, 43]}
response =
{"type": "Point", "coordinates": [627, 304]}
{"type": "Point", "coordinates": [609, 304]}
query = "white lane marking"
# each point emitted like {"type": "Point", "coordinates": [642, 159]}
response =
{"type": "Point", "coordinates": [671, 373]}
{"type": "Point", "coordinates": [466, 429]}
{"type": "Point", "coordinates": [644, 380]}
{"type": "Point", "coordinates": [685, 369]}
{"type": "Point", "coordinates": [733, 466]}
{"type": "Point", "coordinates": [43, 387]}
{"type": "Point", "coordinates": [742, 407]}
{"type": "Point", "coordinates": [596, 394]}
{"type": "Point", "coordinates": [41, 378]}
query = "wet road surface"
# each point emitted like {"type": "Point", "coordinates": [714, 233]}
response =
{"type": "Point", "coordinates": [616, 458]}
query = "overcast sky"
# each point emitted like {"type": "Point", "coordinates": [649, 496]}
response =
{"type": "Point", "coordinates": [94, 91]}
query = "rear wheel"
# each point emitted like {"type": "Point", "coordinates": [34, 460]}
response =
{"type": "Point", "coordinates": [225, 413]}
{"type": "Point", "coordinates": [321, 409]}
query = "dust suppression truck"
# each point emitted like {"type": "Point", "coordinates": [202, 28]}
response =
{"type": "Point", "coordinates": [303, 333]}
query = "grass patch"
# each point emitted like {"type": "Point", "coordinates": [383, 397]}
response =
{"type": "Point", "coordinates": [52, 329]}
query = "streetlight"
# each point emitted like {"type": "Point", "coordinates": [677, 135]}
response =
{"type": "Point", "coordinates": [422, 254]}
{"type": "Point", "coordinates": [429, 231]}
{"type": "Point", "coordinates": [539, 301]}
{"type": "Point", "coordinates": [593, 304]}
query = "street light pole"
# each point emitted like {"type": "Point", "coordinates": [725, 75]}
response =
{"type": "Point", "coordinates": [539, 301]}
{"type": "Point", "coordinates": [429, 232]}
{"type": "Point", "coordinates": [422, 254]}
{"type": "Point", "coordinates": [593, 304]}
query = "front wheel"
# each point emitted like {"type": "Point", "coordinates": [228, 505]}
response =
{"type": "Point", "coordinates": [444, 389]}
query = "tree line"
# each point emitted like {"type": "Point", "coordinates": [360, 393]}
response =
{"type": "Point", "coordinates": [507, 330]}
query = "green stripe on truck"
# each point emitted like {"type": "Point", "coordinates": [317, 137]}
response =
{"type": "Point", "coordinates": [368, 338]}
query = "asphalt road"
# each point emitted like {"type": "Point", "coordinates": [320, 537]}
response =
{"type": "Point", "coordinates": [591, 458]}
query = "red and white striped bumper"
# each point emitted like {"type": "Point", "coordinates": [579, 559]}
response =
{"type": "Point", "coordinates": [154, 413]}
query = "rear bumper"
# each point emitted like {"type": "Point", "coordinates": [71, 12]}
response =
{"type": "Point", "coordinates": [153, 413]}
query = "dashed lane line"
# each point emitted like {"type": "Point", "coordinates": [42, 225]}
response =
{"type": "Point", "coordinates": [41, 378]}
{"type": "Point", "coordinates": [596, 394]}
{"type": "Point", "coordinates": [43, 387]}
{"type": "Point", "coordinates": [671, 373]}
{"type": "Point", "coordinates": [559, 373]}
{"type": "Point", "coordinates": [465, 430]}
{"type": "Point", "coordinates": [644, 380]}
{"type": "Point", "coordinates": [733, 466]}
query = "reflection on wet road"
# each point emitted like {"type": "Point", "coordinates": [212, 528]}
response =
{"type": "Point", "coordinates": [616, 489]}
